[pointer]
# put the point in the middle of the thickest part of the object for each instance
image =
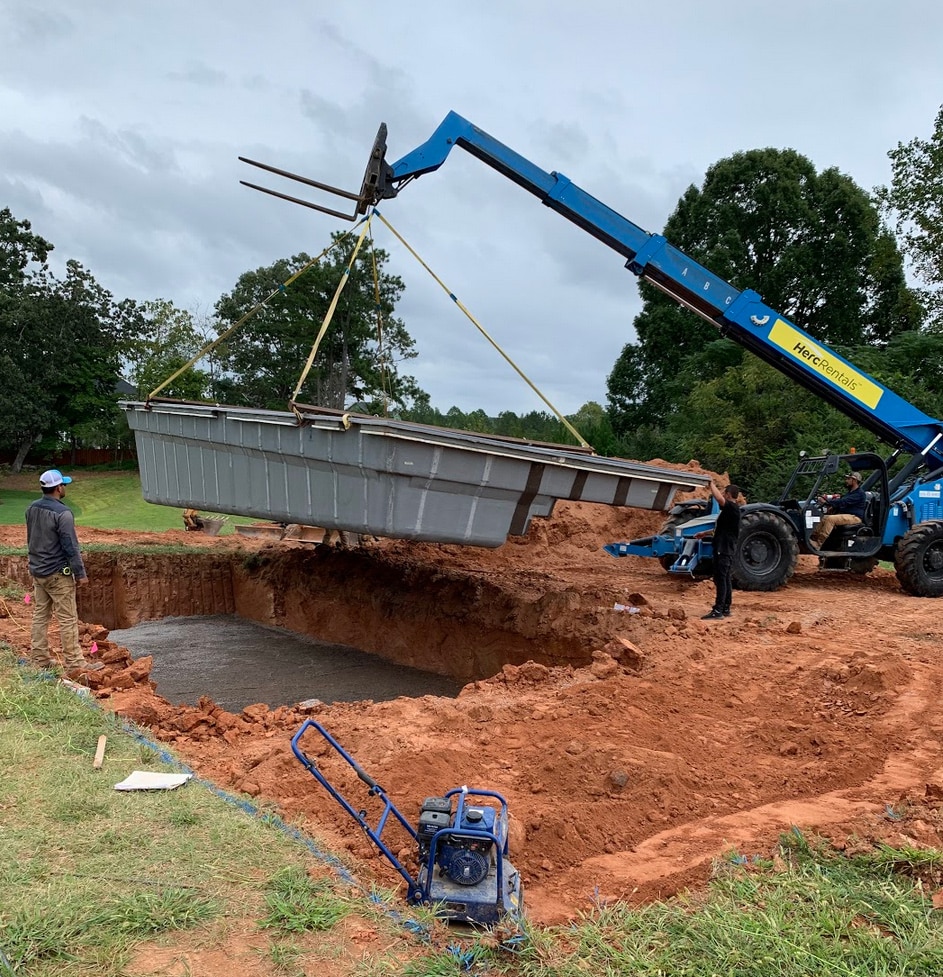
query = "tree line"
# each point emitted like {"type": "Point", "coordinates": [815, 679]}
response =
{"type": "Point", "coordinates": [821, 250]}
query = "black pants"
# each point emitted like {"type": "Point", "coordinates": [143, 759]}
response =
{"type": "Point", "coordinates": [723, 567]}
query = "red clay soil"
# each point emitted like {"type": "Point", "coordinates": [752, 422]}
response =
{"type": "Point", "coordinates": [658, 743]}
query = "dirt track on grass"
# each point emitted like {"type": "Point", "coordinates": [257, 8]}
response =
{"type": "Point", "coordinates": [633, 748]}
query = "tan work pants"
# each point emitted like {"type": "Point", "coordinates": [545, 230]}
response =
{"type": "Point", "coordinates": [828, 523]}
{"type": "Point", "coordinates": [55, 593]}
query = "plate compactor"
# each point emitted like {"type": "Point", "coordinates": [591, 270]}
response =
{"type": "Point", "coordinates": [461, 840]}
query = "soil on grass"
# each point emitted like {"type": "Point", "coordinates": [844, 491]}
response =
{"type": "Point", "coordinates": [634, 746]}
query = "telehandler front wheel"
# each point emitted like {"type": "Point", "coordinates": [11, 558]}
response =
{"type": "Point", "coordinates": [767, 552]}
{"type": "Point", "coordinates": [919, 560]}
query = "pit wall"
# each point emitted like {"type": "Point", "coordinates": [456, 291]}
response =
{"type": "Point", "coordinates": [124, 590]}
{"type": "Point", "coordinates": [445, 623]}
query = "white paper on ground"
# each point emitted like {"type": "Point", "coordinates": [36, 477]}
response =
{"type": "Point", "coordinates": [149, 780]}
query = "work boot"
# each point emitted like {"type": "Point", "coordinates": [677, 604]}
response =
{"type": "Point", "coordinates": [44, 666]}
{"type": "Point", "coordinates": [80, 671]}
{"type": "Point", "coordinates": [714, 615]}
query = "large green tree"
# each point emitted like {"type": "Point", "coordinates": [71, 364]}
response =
{"type": "Point", "coordinates": [58, 348]}
{"type": "Point", "coordinates": [752, 421]}
{"type": "Point", "coordinates": [23, 271]}
{"type": "Point", "coordinates": [64, 353]}
{"type": "Point", "coordinates": [358, 359]}
{"type": "Point", "coordinates": [157, 340]}
{"type": "Point", "coordinates": [23, 255]}
{"type": "Point", "coordinates": [914, 200]}
{"type": "Point", "coordinates": [811, 243]}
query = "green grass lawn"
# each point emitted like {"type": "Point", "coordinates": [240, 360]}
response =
{"type": "Point", "coordinates": [102, 500]}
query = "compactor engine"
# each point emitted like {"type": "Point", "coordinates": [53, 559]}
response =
{"type": "Point", "coordinates": [463, 857]}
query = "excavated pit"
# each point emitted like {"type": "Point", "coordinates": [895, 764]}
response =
{"type": "Point", "coordinates": [427, 618]}
{"type": "Point", "coordinates": [633, 749]}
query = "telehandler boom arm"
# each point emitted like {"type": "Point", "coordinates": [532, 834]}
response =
{"type": "Point", "coordinates": [740, 315]}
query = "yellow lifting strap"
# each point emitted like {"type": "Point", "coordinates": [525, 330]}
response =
{"type": "Point", "coordinates": [330, 312]}
{"type": "Point", "coordinates": [256, 308]}
{"type": "Point", "coordinates": [576, 434]}
{"type": "Point", "coordinates": [385, 383]}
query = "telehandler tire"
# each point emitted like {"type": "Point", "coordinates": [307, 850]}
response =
{"type": "Point", "coordinates": [767, 552]}
{"type": "Point", "coordinates": [919, 560]}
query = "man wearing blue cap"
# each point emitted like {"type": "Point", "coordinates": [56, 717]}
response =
{"type": "Point", "coordinates": [55, 564]}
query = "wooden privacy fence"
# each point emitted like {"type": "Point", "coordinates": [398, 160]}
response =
{"type": "Point", "coordinates": [73, 458]}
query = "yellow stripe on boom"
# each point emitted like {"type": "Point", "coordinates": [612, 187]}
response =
{"type": "Point", "coordinates": [814, 357]}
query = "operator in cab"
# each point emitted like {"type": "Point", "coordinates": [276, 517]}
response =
{"type": "Point", "coordinates": [846, 510]}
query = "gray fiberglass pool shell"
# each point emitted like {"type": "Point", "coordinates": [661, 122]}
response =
{"type": "Point", "coordinates": [320, 467]}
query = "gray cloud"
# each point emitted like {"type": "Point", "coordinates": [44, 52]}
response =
{"type": "Point", "coordinates": [35, 27]}
{"type": "Point", "coordinates": [200, 74]}
{"type": "Point", "coordinates": [120, 129]}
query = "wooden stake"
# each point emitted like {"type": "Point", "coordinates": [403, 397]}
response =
{"type": "Point", "coordinates": [99, 753]}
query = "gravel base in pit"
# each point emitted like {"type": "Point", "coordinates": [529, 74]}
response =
{"type": "Point", "coordinates": [237, 663]}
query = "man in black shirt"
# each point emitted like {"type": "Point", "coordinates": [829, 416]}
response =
{"type": "Point", "coordinates": [848, 510]}
{"type": "Point", "coordinates": [725, 533]}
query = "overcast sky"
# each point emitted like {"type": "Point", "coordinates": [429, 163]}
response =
{"type": "Point", "coordinates": [120, 127]}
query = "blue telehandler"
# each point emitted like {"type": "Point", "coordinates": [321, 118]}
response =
{"type": "Point", "coordinates": [904, 518]}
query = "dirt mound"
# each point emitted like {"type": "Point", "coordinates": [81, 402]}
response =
{"type": "Point", "coordinates": [661, 742]}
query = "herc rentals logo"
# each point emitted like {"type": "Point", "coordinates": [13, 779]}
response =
{"type": "Point", "coordinates": [802, 348]}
